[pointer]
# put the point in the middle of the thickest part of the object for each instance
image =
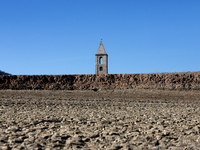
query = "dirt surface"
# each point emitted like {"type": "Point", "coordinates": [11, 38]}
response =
{"type": "Point", "coordinates": [169, 81]}
{"type": "Point", "coordinates": [131, 119]}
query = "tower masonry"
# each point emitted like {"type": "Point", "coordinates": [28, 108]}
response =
{"type": "Point", "coordinates": [101, 60]}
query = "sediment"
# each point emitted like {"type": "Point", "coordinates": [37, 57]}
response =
{"type": "Point", "coordinates": [170, 81]}
{"type": "Point", "coordinates": [131, 119]}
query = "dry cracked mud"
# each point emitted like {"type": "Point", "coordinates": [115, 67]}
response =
{"type": "Point", "coordinates": [131, 119]}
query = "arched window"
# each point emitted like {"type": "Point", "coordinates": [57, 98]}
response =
{"type": "Point", "coordinates": [101, 68]}
{"type": "Point", "coordinates": [100, 60]}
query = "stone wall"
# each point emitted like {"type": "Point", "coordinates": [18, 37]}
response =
{"type": "Point", "coordinates": [171, 81]}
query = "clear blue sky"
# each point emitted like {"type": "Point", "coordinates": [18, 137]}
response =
{"type": "Point", "coordinates": [62, 36]}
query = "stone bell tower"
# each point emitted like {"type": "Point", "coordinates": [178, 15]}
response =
{"type": "Point", "coordinates": [101, 60]}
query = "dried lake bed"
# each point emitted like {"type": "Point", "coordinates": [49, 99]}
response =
{"type": "Point", "coordinates": [130, 119]}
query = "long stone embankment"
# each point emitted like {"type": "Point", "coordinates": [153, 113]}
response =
{"type": "Point", "coordinates": [170, 81]}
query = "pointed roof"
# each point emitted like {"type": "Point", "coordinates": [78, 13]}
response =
{"type": "Point", "coordinates": [101, 49]}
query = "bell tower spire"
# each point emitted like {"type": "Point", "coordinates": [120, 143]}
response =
{"type": "Point", "coordinates": [101, 60]}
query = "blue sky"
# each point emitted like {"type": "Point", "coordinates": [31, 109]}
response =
{"type": "Point", "coordinates": [62, 36]}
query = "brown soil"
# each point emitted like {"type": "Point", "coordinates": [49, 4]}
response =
{"type": "Point", "coordinates": [170, 81]}
{"type": "Point", "coordinates": [131, 119]}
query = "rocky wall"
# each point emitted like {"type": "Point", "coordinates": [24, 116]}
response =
{"type": "Point", "coordinates": [171, 81]}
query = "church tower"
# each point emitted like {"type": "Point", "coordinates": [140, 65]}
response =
{"type": "Point", "coordinates": [101, 60]}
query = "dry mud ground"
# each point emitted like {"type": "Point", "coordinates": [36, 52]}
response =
{"type": "Point", "coordinates": [131, 119]}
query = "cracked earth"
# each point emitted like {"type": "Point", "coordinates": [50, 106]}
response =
{"type": "Point", "coordinates": [131, 119]}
